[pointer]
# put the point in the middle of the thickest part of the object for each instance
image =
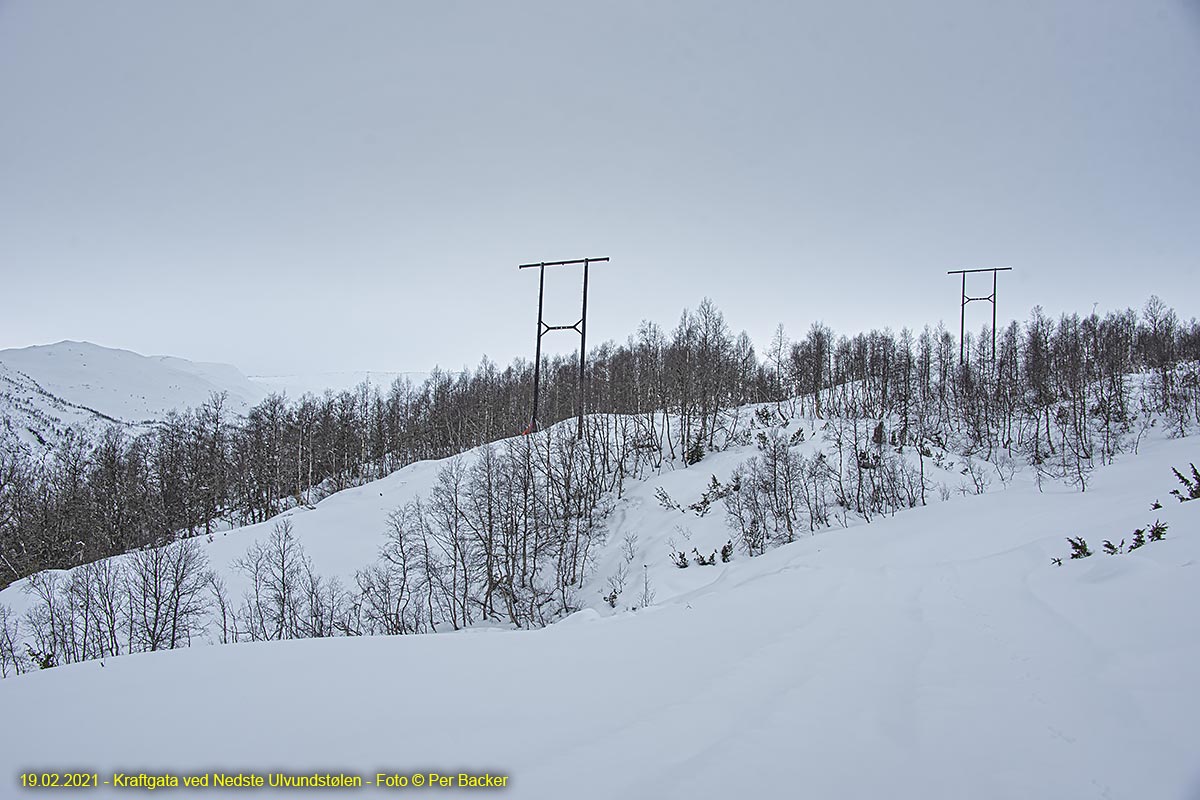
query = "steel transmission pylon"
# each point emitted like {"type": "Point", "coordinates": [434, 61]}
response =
{"type": "Point", "coordinates": [579, 327]}
{"type": "Point", "coordinates": [962, 312]}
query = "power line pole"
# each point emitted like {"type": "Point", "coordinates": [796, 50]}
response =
{"type": "Point", "coordinates": [579, 327]}
{"type": "Point", "coordinates": [962, 312]}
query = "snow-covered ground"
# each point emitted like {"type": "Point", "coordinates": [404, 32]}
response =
{"type": "Point", "coordinates": [935, 654]}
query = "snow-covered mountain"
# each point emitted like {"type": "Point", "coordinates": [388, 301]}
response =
{"type": "Point", "coordinates": [939, 653]}
{"type": "Point", "coordinates": [45, 389]}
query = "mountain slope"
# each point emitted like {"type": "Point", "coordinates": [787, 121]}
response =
{"type": "Point", "coordinates": [935, 654]}
{"type": "Point", "coordinates": [47, 388]}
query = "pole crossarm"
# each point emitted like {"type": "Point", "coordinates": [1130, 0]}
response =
{"type": "Point", "coordinates": [579, 327]}
{"type": "Point", "coordinates": [563, 263]}
{"type": "Point", "coordinates": [962, 271]}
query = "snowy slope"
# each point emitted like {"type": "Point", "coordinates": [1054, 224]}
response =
{"type": "Point", "coordinates": [33, 419]}
{"type": "Point", "coordinates": [125, 385]}
{"type": "Point", "coordinates": [936, 654]}
{"type": "Point", "coordinates": [46, 388]}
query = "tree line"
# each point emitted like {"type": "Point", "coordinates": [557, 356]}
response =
{"type": "Point", "coordinates": [507, 536]}
{"type": "Point", "coordinates": [1062, 395]}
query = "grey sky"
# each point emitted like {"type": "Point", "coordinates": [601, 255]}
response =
{"type": "Point", "coordinates": [348, 185]}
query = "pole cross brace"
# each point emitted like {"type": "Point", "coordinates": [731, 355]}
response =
{"type": "Point", "coordinates": [547, 328]}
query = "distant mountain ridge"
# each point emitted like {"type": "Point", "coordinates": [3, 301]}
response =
{"type": "Point", "coordinates": [47, 389]}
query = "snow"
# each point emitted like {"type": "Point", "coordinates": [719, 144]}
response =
{"type": "Point", "coordinates": [46, 389]}
{"type": "Point", "coordinates": [935, 654]}
{"type": "Point", "coordinates": [125, 385]}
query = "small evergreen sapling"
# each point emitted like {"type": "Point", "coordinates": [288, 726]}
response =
{"type": "Point", "coordinates": [666, 502]}
{"type": "Point", "coordinates": [1157, 531]}
{"type": "Point", "coordinates": [1114, 549]}
{"type": "Point", "coordinates": [715, 491]}
{"type": "Point", "coordinates": [44, 660]}
{"type": "Point", "coordinates": [680, 559]}
{"type": "Point", "coordinates": [1139, 539]}
{"type": "Point", "coordinates": [1057, 562]}
{"type": "Point", "coordinates": [1191, 485]}
{"type": "Point", "coordinates": [727, 551]}
{"type": "Point", "coordinates": [1079, 548]}
{"type": "Point", "coordinates": [705, 561]}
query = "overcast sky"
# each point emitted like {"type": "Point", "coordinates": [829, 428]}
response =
{"type": "Point", "coordinates": [314, 186]}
